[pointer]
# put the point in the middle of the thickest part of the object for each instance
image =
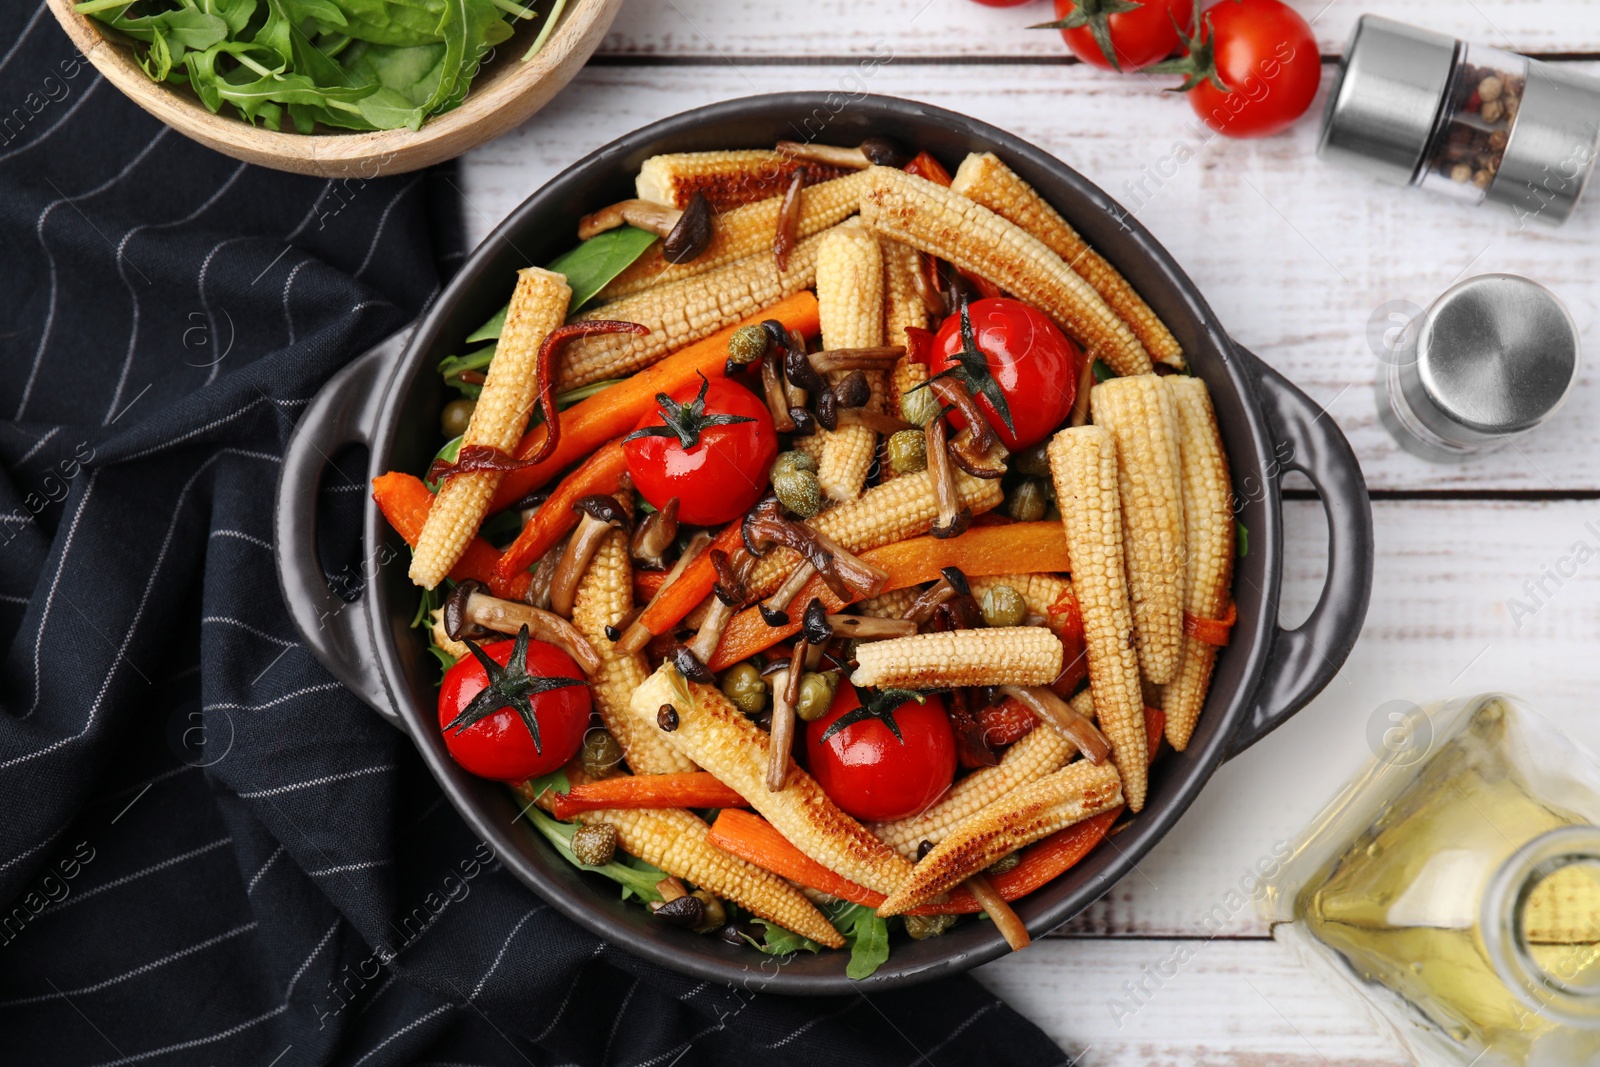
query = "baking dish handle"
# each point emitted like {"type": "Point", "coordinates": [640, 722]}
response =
{"type": "Point", "coordinates": [1304, 660]}
{"type": "Point", "coordinates": [344, 412]}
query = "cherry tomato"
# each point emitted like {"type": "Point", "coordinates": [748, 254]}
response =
{"type": "Point", "coordinates": [712, 449]}
{"type": "Point", "coordinates": [1033, 364]}
{"type": "Point", "coordinates": [499, 745]}
{"type": "Point", "coordinates": [1138, 37]}
{"type": "Point", "coordinates": [1265, 52]}
{"type": "Point", "coordinates": [871, 774]}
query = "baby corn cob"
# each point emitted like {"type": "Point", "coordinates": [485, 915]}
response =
{"type": "Point", "coordinates": [1038, 753]}
{"type": "Point", "coordinates": [714, 734]}
{"type": "Point", "coordinates": [441, 637]}
{"type": "Point", "coordinates": [747, 230]}
{"type": "Point", "coordinates": [683, 312]}
{"type": "Point", "coordinates": [1076, 792]}
{"type": "Point", "coordinates": [850, 309]}
{"type": "Point", "coordinates": [1139, 414]}
{"type": "Point", "coordinates": [1208, 524]}
{"type": "Point", "coordinates": [675, 841]}
{"type": "Point", "coordinates": [932, 218]}
{"type": "Point", "coordinates": [1083, 465]}
{"type": "Point", "coordinates": [882, 515]}
{"type": "Point", "coordinates": [728, 179]}
{"type": "Point", "coordinates": [1040, 592]}
{"type": "Point", "coordinates": [891, 605]}
{"type": "Point", "coordinates": [538, 305]}
{"type": "Point", "coordinates": [1003, 655]}
{"type": "Point", "coordinates": [902, 308]}
{"type": "Point", "coordinates": [987, 181]}
{"type": "Point", "coordinates": [605, 596]}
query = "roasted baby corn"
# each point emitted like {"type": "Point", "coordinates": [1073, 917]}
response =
{"type": "Point", "coordinates": [1040, 592]}
{"type": "Point", "coordinates": [1140, 416]}
{"type": "Point", "coordinates": [1038, 753]}
{"type": "Point", "coordinates": [1003, 655]}
{"type": "Point", "coordinates": [1083, 465]}
{"type": "Point", "coordinates": [605, 596]}
{"type": "Point", "coordinates": [718, 737]}
{"type": "Point", "coordinates": [682, 312]}
{"type": "Point", "coordinates": [675, 841]}
{"type": "Point", "coordinates": [987, 181]}
{"type": "Point", "coordinates": [538, 305]}
{"type": "Point", "coordinates": [1208, 522]}
{"type": "Point", "coordinates": [728, 179]}
{"type": "Point", "coordinates": [891, 605]}
{"type": "Point", "coordinates": [850, 309]}
{"type": "Point", "coordinates": [930, 217]}
{"type": "Point", "coordinates": [893, 511]}
{"type": "Point", "coordinates": [744, 231]}
{"type": "Point", "coordinates": [1074, 793]}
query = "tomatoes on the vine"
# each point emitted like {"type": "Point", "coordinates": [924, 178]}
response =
{"type": "Point", "coordinates": [712, 450]}
{"type": "Point", "coordinates": [513, 710]}
{"type": "Point", "coordinates": [1251, 70]}
{"type": "Point", "coordinates": [1020, 368]}
{"type": "Point", "coordinates": [886, 759]}
{"type": "Point", "coordinates": [1122, 34]}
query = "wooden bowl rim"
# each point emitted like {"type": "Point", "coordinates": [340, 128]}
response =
{"type": "Point", "coordinates": [487, 112]}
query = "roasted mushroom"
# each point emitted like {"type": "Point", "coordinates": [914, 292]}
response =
{"type": "Point", "coordinates": [953, 517]}
{"type": "Point", "coordinates": [1058, 713]}
{"type": "Point", "coordinates": [637, 635]}
{"type": "Point", "coordinates": [846, 574]}
{"type": "Point", "coordinates": [601, 514]}
{"type": "Point", "coordinates": [873, 152]}
{"type": "Point", "coordinates": [788, 233]}
{"type": "Point", "coordinates": [652, 537]}
{"type": "Point", "coordinates": [685, 233]}
{"type": "Point", "coordinates": [470, 612]}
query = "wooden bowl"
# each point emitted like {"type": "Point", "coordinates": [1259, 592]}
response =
{"type": "Point", "coordinates": [505, 92]}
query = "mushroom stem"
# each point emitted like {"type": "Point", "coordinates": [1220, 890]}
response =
{"type": "Point", "coordinates": [879, 357]}
{"type": "Point", "coordinates": [601, 515]}
{"type": "Point", "coordinates": [964, 452]}
{"type": "Point", "coordinates": [1006, 920]}
{"type": "Point", "coordinates": [868, 628]}
{"type": "Point", "coordinates": [928, 287]}
{"type": "Point", "coordinates": [709, 635]}
{"type": "Point", "coordinates": [637, 634]}
{"type": "Point", "coordinates": [657, 218]}
{"type": "Point", "coordinates": [780, 739]}
{"type": "Point", "coordinates": [788, 233]}
{"type": "Point", "coordinates": [778, 603]}
{"type": "Point", "coordinates": [846, 574]}
{"type": "Point", "coordinates": [953, 517]}
{"type": "Point", "coordinates": [1059, 714]}
{"type": "Point", "coordinates": [928, 601]}
{"type": "Point", "coordinates": [652, 537]}
{"type": "Point", "coordinates": [1080, 402]}
{"type": "Point", "coordinates": [538, 593]}
{"type": "Point", "coordinates": [508, 616]}
{"type": "Point", "coordinates": [874, 151]}
{"type": "Point", "coordinates": [957, 396]}
{"type": "Point", "coordinates": [772, 391]}
{"type": "Point", "coordinates": [875, 421]}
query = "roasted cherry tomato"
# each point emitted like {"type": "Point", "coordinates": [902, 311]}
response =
{"type": "Point", "coordinates": [1265, 53]}
{"type": "Point", "coordinates": [866, 768]}
{"type": "Point", "coordinates": [712, 449]}
{"type": "Point", "coordinates": [516, 716]}
{"type": "Point", "coordinates": [1021, 359]}
{"type": "Point", "coordinates": [1136, 36]}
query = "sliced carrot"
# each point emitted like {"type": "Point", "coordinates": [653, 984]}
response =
{"type": "Point", "coordinates": [1017, 548]}
{"type": "Point", "coordinates": [694, 789]}
{"type": "Point", "coordinates": [405, 501]}
{"type": "Point", "coordinates": [646, 584]}
{"type": "Point", "coordinates": [614, 411]}
{"type": "Point", "coordinates": [600, 473]}
{"type": "Point", "coordinates": [754, 839]}
{"type": "Point", "coordinates": [925, 166]}
{"type": "Point", "coordinates": [692, 586]}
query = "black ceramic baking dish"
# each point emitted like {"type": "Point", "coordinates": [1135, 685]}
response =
{"type": "Point", "coordinates": [390, 397]}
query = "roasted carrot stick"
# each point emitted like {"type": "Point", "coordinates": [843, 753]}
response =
{"type": "Point", "coordinates": [925, 166]}
{"type": "Point", "coordinates": [646, 584]}
{"type": "Point", "coordinates": [693, 789]}
{"type": "Point", "coordinates": [613, 412]}
{"type": "Point", "coordinates": [405, 500]}
{"type": "Point", "coordinates": [692, 586]}
{"type": "Point", "coordinates": [600, 473]}
{"type": "Point", "coordinates": [1017, 548]}
{"type": "Point", "coordinates": [754, 839]}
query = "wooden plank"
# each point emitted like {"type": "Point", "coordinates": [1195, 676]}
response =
{"type": "Point", "coordinates": [1202, 1004]}
{"type": "Point", "coordinates": [1295, 256]}
{"type": "Point", "coordinates": [959, 28]}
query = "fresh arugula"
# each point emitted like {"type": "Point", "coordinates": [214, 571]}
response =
{"type": "Point", "coordinates": [347, 64]}
{"type": "Point", "coordinates": [636, 877]}
{"type": "Point", "coordinates": [866, 935]}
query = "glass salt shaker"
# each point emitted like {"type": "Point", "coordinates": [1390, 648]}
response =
{"type": "Point", "coordinates": [1414, 107]}
{"type": "Point", "coordinates": [1454, 887]}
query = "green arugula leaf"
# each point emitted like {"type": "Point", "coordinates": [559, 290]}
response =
{"type": "Point", "coordinates": [1102, 371]}
{"type": "Point", "coordinates": [636, 877]}
{"type": "Point", "coordinates": [776, 941]}
{"type": "Point", "coordinates": [1241, 538]}
{"type": "Point", "coordinates": [593, 264]}
{"type": "Point", "coordinates": [866, 935]}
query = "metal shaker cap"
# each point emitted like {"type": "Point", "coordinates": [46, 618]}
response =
{"type": "Point", "coordinates": [1553, 145]}
{"type": "Point", "coordinates": [1496, 356]}
{"type": "Point", "coordinates": [1386, 101]}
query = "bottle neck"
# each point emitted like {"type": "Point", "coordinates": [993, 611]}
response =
{"type": "Point", "coordinates": [1540, 923]}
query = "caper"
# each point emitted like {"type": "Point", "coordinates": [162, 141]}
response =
{"type": "Point", "coordinates": [794, 461]}
{"type": "Point", "coordinates": [799, 491]}
{"type": "Point", "coordinates": [601, 754]}
{"type": "Point", "coordinates": [919, 406]}
{"type": "Point", "coordinates": [748, 344]}
{"type": "Point", "coordinates": [1027, 500]}
{"type": "Point", "coordinates": [1005, 863]}
{"type": "Point", "coordinates": [455, 416]}
{"type": "Point", "coordinates": [816, 694]}
{"type": "Point", "coordinates": [1034, 462]}
{"type": "Point", "coordinates": [908, 451]}
{"type": "Point", "coordinates": [922, 927]}
{"type": "Point", "coordinates": [1004, 606]}
{"type": "Point", "coordinates": [594, 845]}
{"type": "Point", "coordinates": [715, 913]}
{"type": "Point", "coordinates": [742, 684]}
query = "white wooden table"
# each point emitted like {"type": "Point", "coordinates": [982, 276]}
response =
{"type": "Point", "coordinates": [1295, 257]}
